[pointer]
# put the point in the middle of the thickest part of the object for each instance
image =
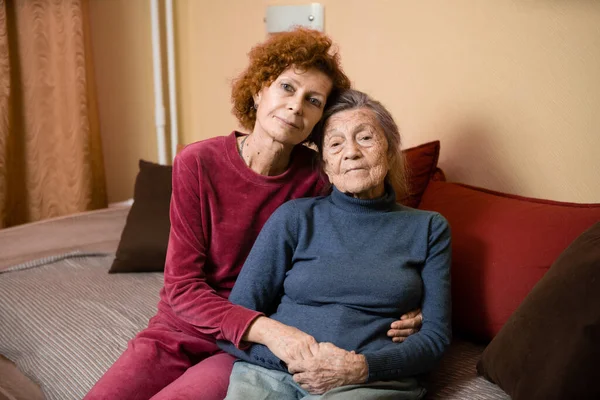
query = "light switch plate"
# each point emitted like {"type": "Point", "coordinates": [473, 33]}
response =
{"type": "Point", "coordinates": [284, 18]}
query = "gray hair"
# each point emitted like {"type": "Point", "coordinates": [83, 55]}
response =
{"type": "Point", "coordinates": [352, 99]}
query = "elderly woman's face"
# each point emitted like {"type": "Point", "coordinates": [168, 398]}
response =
{"type": "Point", "coordinates": [355, 153]}
{"type": "Point", "coordinates": [291, 106]}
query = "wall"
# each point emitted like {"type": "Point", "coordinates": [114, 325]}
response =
{"type": "Point", "coordinates": [511, 88]}
{"type": "Point", "coordinates": [122, 53]}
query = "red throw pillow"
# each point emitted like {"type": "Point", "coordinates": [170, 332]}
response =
{"type": "Point", "coordinates": [421, 165]}
{"type": "Point", "coordinates": [501, 246]}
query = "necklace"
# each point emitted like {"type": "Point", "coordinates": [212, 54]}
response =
{"type": "Point", "coordinates": [241, 151]}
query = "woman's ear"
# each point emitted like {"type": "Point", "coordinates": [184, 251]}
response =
{"type": "Point", "coordinates": [256, 98]}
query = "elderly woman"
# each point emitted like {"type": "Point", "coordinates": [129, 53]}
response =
{"type": "Point", "coordinates": [340, 267]}
{"type": "Point", "coordinates": [224, 189]}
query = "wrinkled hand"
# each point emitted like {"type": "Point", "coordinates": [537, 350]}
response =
{"type": "Point", "coordinates": [328, 368]}
{"type": "Point", "coordinates": [408, 324]}
{"type": "Point", "coordinates": [289, 344]}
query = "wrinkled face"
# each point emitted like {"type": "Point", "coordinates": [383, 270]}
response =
{"type": "Point", "coordinates": [290, 107]}
{"type": "Point", "coordinates": [355, 153]}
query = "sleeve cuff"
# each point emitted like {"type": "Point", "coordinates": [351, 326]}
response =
{"type": "Point", "coordinates": [236, 322]}
{"type": "Point", "coordinates": [381, 367]}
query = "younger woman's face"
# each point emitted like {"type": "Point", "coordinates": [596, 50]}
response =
{"type": "Point", "coordinates": [289, 108]}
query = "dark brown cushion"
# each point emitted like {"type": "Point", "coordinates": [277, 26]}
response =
{"type": "Point", "coordinates": [143, 244]}
{"type": "Point", "coordinates": [550, 346]}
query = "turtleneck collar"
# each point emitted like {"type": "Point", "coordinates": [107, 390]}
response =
{"type": "Point", "coordinates": [380, 204]}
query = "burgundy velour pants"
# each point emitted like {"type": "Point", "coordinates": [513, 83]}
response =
{"type": "Point", "coordinates": [165, 362]}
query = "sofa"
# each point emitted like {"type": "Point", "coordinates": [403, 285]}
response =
{"type": "Point", "coordinates": [525, 290]}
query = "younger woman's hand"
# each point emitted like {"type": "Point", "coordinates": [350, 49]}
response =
{"type": "Point", "coordinates": [290, 344]}
{"type": "Point", "coordinates": [286, 342]}
{"type": "Point", "coordinates": [407, 325]}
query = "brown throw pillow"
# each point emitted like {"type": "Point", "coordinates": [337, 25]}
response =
{"type": "Point", "coordinates": [143, 244]}
{"type": "Point", "coordinates": [550, 347]}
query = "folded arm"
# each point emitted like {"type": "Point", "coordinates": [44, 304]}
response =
{"type": "Point", "coordinates": [420, 352]}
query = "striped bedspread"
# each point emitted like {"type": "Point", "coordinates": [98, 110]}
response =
{"type": "Point", "coordinates": [64, 323]}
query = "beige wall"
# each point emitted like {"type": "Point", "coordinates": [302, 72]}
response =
{"type": "Point", "coordinates": [122, 52]}
{"type": "Point", "coordinates": [512, 89]}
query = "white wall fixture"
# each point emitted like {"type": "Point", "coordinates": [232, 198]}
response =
{"type": "Point", "coordinates": [171, 76]}
{"type": "Point", "coordinates": [284, 18]}
{"type": "Point", "coordinates": [159, 107]}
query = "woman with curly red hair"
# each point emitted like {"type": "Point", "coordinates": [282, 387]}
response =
{"type": "Point", "coordinates": [224, 190]}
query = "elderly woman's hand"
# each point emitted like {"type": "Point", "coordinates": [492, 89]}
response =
{"type": "Point", "coordinates": [328, 368]}
{"type": "Point", "coordinates": [408, 324]}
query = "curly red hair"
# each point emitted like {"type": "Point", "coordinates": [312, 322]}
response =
{"type": "Point", "coordinates": [303, 48]}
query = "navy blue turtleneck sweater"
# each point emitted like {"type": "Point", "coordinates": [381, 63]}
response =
{"type": "Point", "coordinates": [342, 270]}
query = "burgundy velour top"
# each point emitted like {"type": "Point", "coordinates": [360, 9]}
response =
{"type": "Point", "coordinates": [218, 207]}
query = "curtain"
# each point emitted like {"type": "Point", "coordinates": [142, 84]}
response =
{"type": "Point", "coordinates": [51, 160]}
